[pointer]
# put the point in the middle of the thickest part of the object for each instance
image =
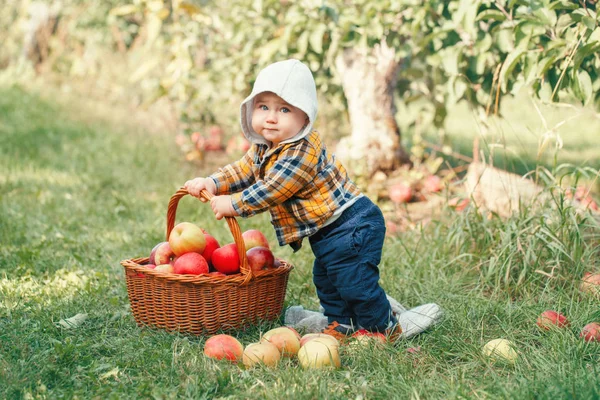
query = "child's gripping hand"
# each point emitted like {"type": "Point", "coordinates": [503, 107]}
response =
{"type": "Point", "coordinates": [195, 186]}
{"type": "Point", "coordinates": [222, 206]}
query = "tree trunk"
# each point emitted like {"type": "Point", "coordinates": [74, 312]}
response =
{"type": "Point", "coordinates": [369, 79]}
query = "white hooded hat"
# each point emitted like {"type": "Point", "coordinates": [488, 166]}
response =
{"type": "Point", "coordinates": [293, 82]}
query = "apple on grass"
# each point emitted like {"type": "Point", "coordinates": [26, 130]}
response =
{"type": "Point", "coordinates": [591, 332]}
{"type": "Point", "coordinates": [187, 238]}
{"type": "Point", "coordinates": [319, 353]}
{"type": "Point", "coordinates": [500, 350]}
{"type": "Point", "coordinates": [286, 339]}
{"type": "Point", "coordinates": [222, 347]}
{"type": "Point", "coordinates": [552, 319]}
{"type": "Point", "coordinates": [322, 336]}
{"type": "Point", "coordinates": [591, 283]}
{"type": "Point", "coordinates": [190, 264]}
{"type": "Point", "coordinates": [226, 260]}
{"type": "Point", "coordinates": [364, 336]}
{"type": "Point", "coordinates": [261, 353]}
{"type": "Point", "coordinates": [260, 258]}
{"type": "Point", "coordinates": [254, 238]}
{"type": "Point", "coordinates": [161, 254]}
{"type": "Point", "coordinates": [400, 193]}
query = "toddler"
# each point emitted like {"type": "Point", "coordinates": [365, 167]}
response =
{"type": "Point", "coordinates": [289, 172]}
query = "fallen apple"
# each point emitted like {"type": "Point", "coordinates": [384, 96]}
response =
{"type": "Point", "coordinates": [364, 336]}
{"type": "Point", "coordinates": [260, 258]}
{"type": "Point", "coordinates": [400, 193]}
{"type": "Point", "coordinates": [319, 354]}
{"type": "Point", "coordinates": [591, 332]}
{"type": "Point", "coordinates": [261, 353]}
{"type": "Point", "coordinates": [432, 184]}
{"type": "Point", "coordinates": [190, 264]}
{"type": "Point", "coordinates": [591, 283]}
{"type": "Point", "coordinates": [286, 339]}
{"type": "Point", "coordinates": [161, 254]}
{"type": "Point", "coordinates": [187, 238]}
{"type": "Point", "coordinates": [323, 336]}
{"type": "Point", "coordinates": [254, 238]}
{"type": "Point", "coordinates": [223, 347]}
{"type": "Point", "coordinates": [550, 318]}
{"type": "Point", "coordinates": [225, 259]}
{"type": "Point", "coordinates": [500, 350]}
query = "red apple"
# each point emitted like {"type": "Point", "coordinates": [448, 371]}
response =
{"type": "Point", "coordinates": [550, 318]}
{"type": "Point", "coordinates": [591, 283]}
{"type": "Point", "coordinates": [161, 254]}
{"type": "Point", "coordinates": [400, 193]}
{"type": "Point", "coordinates": [254, 238]}
{"type": "Point", "coordinates": [591, 332]}
{"type": "Point", "coordinates": [216, 273]}
{"type": "Point", "coordinates": [187, 238]}
{"type": "Point", "coordinates": [222, 347]}
{"type": "Point", "coordinates": [432, 184]}
{"type": "Point", "coordinates": [211, 246]}
{"type": "Point", "coordinates": [363, 335]}
{"type": "Point", "coordinates": [225, 259]}
{"type": "Point", "coordinates": [190, 264]}
{"type": "Point", "coordinates": [260, 258]}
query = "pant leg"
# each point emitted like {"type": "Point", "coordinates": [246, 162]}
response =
{"type": "Point", "coordinates": [335, 307]}
{"type": "Point", "coordinates": [350, 254]}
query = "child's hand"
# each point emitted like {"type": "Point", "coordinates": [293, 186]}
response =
{"type": "Point", "coordinates": [195, 186]}
{"type": "Point", "coordinates": [222, 207]}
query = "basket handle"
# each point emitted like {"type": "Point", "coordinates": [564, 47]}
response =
{"type": "Point", "coordinates": [234, 227]}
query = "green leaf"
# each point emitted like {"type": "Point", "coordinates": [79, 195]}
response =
{"type": "Point", "coordinates": [583, 52]}
{"type": "Point", "coordinates": [316, 38]}
{"type": "Point", "coordinates": [508, 66]}
{"type": "Point", "coordinates": [491, 15]}
{"type": "Point", "coordinates": [589, 22]}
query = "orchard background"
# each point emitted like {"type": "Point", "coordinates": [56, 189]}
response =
{"type": "Point", "coordinates": [107, 107]}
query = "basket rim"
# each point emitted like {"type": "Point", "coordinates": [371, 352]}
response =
{"type": "Point", "coordinates": [137, 265]}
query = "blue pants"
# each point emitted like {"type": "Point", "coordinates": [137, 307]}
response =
{"type": "Point", "coordinates": [345, 272]}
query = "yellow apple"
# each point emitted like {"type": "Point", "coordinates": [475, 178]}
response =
{"type": "Point", "coordinates": [261, 353]}
{"type": "Point", "coordinates": [319, 353]}
{"type": "Point", "coordinates": [286, 339]}
{"type": "Point", "coordinates": [187, 238]}
{"type": "Point", "coordinates": [311, 336]}
{"type": "Point", "coordinates": [500, 350]}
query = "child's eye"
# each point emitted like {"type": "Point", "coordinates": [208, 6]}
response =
{"type": "Point", "coordinates": [285, 110]}
{"type": "Point", "coordinates": [263, 107]}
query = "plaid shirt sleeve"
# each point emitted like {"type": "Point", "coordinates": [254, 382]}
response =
{"type": "Point", "coordinates": [236, 176]}
{"type": "Point", "coordinates": [293, 170]}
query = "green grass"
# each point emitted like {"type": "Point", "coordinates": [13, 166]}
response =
{"type": "Point", "coordinates": [79, 193]}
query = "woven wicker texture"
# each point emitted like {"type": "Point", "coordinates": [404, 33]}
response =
{"type": "Point", "coordinates": [204, 304]}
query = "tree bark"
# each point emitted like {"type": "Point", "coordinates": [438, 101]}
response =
{"type": "Point", "coordinates": [368, 80]}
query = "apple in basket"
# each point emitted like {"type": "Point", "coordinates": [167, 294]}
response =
{"type": "Point", "coordinates": [187, 238]}
{"type": "Point", "coordinates": [260, 258]}
{"type": "Point", "coordinates": [253, 238]}
{"type": "Point", "coordinates": [225, 259]}
{"type": "Point", "coordinates": [211, 245]}
{"type": "Point", "coordinates": [190, 264]}
{"type": "Point", "coordinates": [161, 254]}
{"type": "Point", "coordinates": [164, 268]}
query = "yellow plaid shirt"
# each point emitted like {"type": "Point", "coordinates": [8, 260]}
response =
{"type": "Point", "coordinates": [300, 183]}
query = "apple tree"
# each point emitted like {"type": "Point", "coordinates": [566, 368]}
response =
{"type": "Point", "coordinates": [370, 57]}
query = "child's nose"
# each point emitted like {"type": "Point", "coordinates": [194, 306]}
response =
{"type": "Point", "coordinates": [272, 116]}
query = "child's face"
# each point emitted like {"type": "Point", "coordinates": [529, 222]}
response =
{"type": "Point", "coordinates": [276, 120]}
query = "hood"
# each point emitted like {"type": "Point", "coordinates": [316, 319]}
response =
{"type": "Point", "coordinates": [293, 82]}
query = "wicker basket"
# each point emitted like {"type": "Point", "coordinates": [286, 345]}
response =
{"type": "Point", "coordinates": [203, 304]}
